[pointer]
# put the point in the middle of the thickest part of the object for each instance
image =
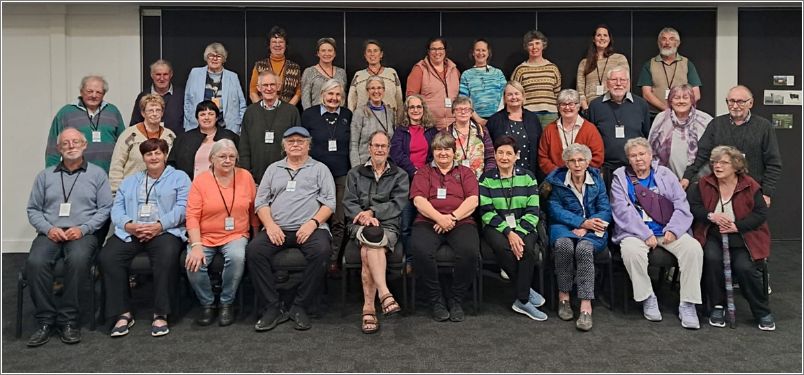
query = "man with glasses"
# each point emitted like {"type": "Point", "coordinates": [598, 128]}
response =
{"type": "Point", "coordinates": [68, 202]}
{"type": "Point", "coordinates": [263, 123]}
{"type": "Point", "coordinates": [173, 95]}
{"type": "Point", "coordinates": [619, 116]}
{"type": "Point", "coordinates": [749, 133]}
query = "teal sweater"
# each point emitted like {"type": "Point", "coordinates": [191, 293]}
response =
{"type": "Point", "coordinates": [518, 195]}
{"type": "Point", "coordinates": [485, 87]}
{"type": "Point", "coordinates": [74, 115]}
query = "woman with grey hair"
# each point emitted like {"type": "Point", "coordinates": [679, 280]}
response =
{"type": "Point", "coordinates": [329, 124]}
{"type": "Point", "coordinates": [728, 202]}
{"type": "Point", "coordinates": [579, 212]}
{"type": "Point", "coordinates": [569, 128]}
{"type": "Point", "coordinates": [221, 86]}
{"type": "Point", "coordinates": [314, 77]}
{"type": "Point", "coordinates": [372, 116]}
{"type": "Point", "coordinates": [475, 149]}
{"type": "Point", "coordinates": [650, 209]}
{"type": "Point", "coordinates": [220, 216]}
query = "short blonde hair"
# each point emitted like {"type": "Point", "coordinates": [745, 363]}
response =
{"type": "Point", "coordinates": [151, 99]}
{"type": "Point", "coordinates": [737, 157]}
{"type": "Point", "coordinates": [330, 85]}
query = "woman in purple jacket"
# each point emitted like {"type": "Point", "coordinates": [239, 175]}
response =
{"type": "Point", "coordinates": [640, 229]}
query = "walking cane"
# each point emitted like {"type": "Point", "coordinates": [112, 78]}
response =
{"type": "Point", "coordinates": [730, 316]}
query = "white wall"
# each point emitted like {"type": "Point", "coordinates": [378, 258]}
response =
{"type": "Point", "coordinates": [47, 49]}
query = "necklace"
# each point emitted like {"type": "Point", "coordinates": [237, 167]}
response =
{"type": "Point", "coordinates": [325, 72]}
{"type": "Point", "coordinates": [368, 68]}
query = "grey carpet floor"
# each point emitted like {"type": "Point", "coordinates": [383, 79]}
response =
{"type": "Point", "coordinates": [496, 340]}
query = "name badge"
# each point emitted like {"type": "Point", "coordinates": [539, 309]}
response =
{"type": "Point", "coordinates": [619, 131]}
{"type": "Point", "coordinates": [269, 136]}
{"type": "Point", "coordinates": [332, 145]}
{"type": "Point", "coordinates": [645, 217]}
{"type": "Point", "coordinates": [466, 163]}
{"type": "Point", "coordinates": [599, 90]}
{"type": "Point", "coordinates": [228, 223]}
{"type": "Point", "coordinates": [441, 193]}
{"type": "Point", "coordinates": [64, 209]}
{"type": "Point", "coordinates": [291, 186]}
{"type": "Point", "coordinates": [146, 209]}
{"type": "Point", "coordinates": [447, 103]}
{"type": "Point", "coordinates": [666, 94]}
{"type": "Point", "coordinates": [96, 136]}
{"type": "Point", "coordinates": [599, 234]}
{"type": "Point", "coordinates": [511, 220]}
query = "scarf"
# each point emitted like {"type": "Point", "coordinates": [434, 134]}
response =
{"type": "Point", "coordinates": [661, 137]}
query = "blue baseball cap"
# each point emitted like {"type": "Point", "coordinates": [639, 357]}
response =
{"type": "Point", "coordinates": [296, 130]}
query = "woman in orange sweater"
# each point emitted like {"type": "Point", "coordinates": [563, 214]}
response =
{"type": "Point", "coordinates": [220, 213]}
{"type": "Point", "coordinates": [569, 128]}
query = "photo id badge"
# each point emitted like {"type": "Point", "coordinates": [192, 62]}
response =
{"type": "Point", "coordinates": [619, 131]}
{"type": "Point", "coordinates": [228, 223]}
{"type": "Point", "coordinates": [466, 163]}
{"type": "Point", "coordinates": [64, 209]}
{"type": "Point", "coordinates": [599, 90]}
{"type": "Point", "coordinates": [96, 136]}
{"type": "Point", "coordinates": [645, 217]}
{"type": "Point", "coordinates": [511, 220]}
{"type": "Point", "coordinates": [291, 186]}
{"type": "Point", "coordinates": [332, 145]}
{"type": "Point", "coordinates": [441, 193]}
{"type": "Point", "coordinates": [146, 210]}
{"type": "Point", "coordinates": [269, 136]}
{"type": "Point", "coordinates": [447, 103]}
{"type": "Point", "coordinates": [666, 94]}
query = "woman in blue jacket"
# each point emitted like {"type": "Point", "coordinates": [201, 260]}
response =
{"type": "Point", "coordinates": [148, 215]}
{"type": "Point", "coordinates": [213, 82]}
{"type": "Point", "coordinates": [579, 212]}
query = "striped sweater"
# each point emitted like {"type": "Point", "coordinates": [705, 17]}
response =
{"type": "Point", "coordinates": [518, 195]}
{"type": "Point", "coordinates": [108, 121]}
{"type": "Point", "coordinates": [541, 83]}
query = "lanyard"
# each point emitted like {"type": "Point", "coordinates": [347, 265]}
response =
{"type": "Point", "coordinates": [435, 73]}
{"type": "Point", "coordinates": [614, 112]}
{"type": "Point", "coordinates": [385, 113]}
{"type": "Point", "coordinates": [669, 80]}
{"type": "Point", "coordinates": [293, 175]}
{"type": "Point", "coordinates": [597, 71]}
{"type": "Point", "coordinates": [148, 191]}
{"type": "Point", "coordinates": [571, 139]}
{"type": "Point", "coordinates": [458, 138]}
{"type": "Point", "coordinates": [63, 191]}
{"type": "Point", "coordinates": [234, 180]}
{"type": "Point", "coordinates": [510, 196]}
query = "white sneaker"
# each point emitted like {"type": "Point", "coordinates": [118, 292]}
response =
{"type": "Point", "coordinates": [688, 316]}
{"type": "Point", "coordinates": [650, 309]}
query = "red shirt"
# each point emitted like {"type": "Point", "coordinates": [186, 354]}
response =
{"type": "Point", "coordinates": [460, 183]}
{"type": "Point", "coordinates": [418, 146]}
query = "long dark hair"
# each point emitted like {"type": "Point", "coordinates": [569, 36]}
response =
{"type": "Point", "coordinates": [591, 52]}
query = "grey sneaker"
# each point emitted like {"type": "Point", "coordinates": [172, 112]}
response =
{"type": "Point", "coordinates": [718, 317]}
{"type": "Point", "coordinates": [767, 323]}
{"type": "Point", "coordinates": [535, 298]}
{"type": "Point", "coordinates": [584, 322]}
{"type": "Point", "coordinates": [688, 315]}
{"type": "Point", "coordinates": [529, 310]}
{"type": "Point", "coordinates": [565, 310]}
{"type": "Point", "coordinates": [650, 309]}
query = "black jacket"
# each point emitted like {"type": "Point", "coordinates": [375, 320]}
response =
{"type": "Point", "coordinates": [182, 155]}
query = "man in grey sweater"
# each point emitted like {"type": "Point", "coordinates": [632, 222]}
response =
{"type": "Point", "coordinates": [68, 203]}
{"type": "Point", "coordinates": [749, 133]}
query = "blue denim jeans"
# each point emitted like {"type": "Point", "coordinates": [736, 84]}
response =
{"type": "Point", "coordinates": [234, 255]}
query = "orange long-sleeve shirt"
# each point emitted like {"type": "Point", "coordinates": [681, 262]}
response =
{"type": "Point", "coordinates": [206, 210]}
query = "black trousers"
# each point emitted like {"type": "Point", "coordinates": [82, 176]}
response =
{"type": "Point", "coordinates": [39, 266]}
{"type": "Point", "coordinates": [519, 271]}
{"type": "Point", "coordinates": [115, 261]}
{"type": "Point", "coordinates": [465, 243]}
{"type": "Point", "coordinates": [259, 257]}
{"type": "Point", "coordinates": [747, 272]}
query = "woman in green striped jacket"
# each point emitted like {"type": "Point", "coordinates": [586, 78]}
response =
{"type": "Point", "coordinates": [509, 209]}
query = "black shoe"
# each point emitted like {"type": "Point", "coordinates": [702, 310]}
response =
{"type": "Point", "coordinates": [227, 315]}
{"type": "Point", "coordinates": [70, 334]}
{"type": "Point", "coordinates": [456, 311]}
{"type": "Point", "coordinates": [440, 313]}
{"type": "Point", "coordinates": [270, 319]}
{"type": "Point", "coordinates": [41, 336]}
{"type": "Point", "coordinates": [207, 316]}
{"type": "Point", "coordinates": [298, 315]}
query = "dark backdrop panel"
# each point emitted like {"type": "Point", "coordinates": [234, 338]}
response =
{"type": "Point", "coordinates": [151, 31]}
{"type": "Point", "coordinates": [403, 36]}
{"type": "Point", "coordinates": [303, 28]}
{"type": "Point", "coordinates": [770, 44]}
{"type": "Point", "coordinates": [567, 45]}
{"type": "Point", "coordinates": [504, 34]}
{"type": "Point", "coordinates": [186, 32]}
{"type": "Point", "coordinates": [698, 31]}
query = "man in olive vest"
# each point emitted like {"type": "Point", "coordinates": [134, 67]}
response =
{"type": "Point", "coordinates": [666, 70]}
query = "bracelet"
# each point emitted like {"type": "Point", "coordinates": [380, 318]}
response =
{"type": "Point", "coordinates": [317, 223]}
{"type": "Point", "coordinates": [192, 245]}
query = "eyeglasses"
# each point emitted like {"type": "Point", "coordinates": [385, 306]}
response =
{"type": "Point", "coordinates": [618, 80]}
{"type": "Point", "coordinates": [214, 56]}
{"type": "Point", "coordinates": [153, 110]}
{"type": "Point", "coordinates": [267, 85]}
{"type": "Point", "coordinates": [568, 105]}
{"type": "Point", "coordinates": [379, 146]}
{"type": "Point", "coordinates": [72, 142]}
{"type": "Point", "coordinates": [436, 49]}
{"type": "Point", "coordinates": [719, 162]}
{"type": "Point", "coordinates": [296, 141]}
{"type": "Point", "coordinates": [464, 110]}
{"type": "Point", "coordinates": [226, 157]}
{"type": "Point", "coordinates": [418, 107]}
{"type": "Point", "coordinates": [738, 102]}
{"type": "Point", "coordinates": [576, 161]}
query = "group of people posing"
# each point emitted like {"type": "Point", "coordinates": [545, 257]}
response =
{"type": "Point", "coordinates": [460, 157]}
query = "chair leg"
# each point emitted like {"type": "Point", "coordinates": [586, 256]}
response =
{"type": "Point", "coordinates": [611, 286]}
{"type": "Point", "coordinates": [20, 288]}
{"type": "Point", "coordinates": [412, 294]}
{"type": "Point", "coordinates": [344, 275]}
{"type": "Point", "coordinates": [405, 288]}
{"type": "Point", "coordinates": [475, 292]}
